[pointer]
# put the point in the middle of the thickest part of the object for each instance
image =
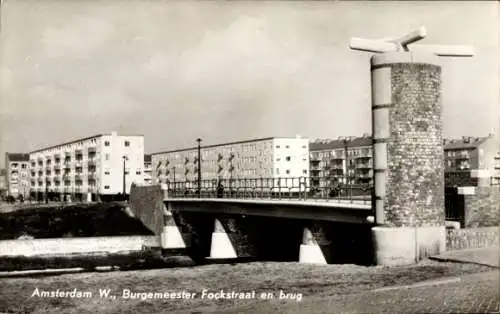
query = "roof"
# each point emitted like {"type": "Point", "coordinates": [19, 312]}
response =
{"type": "Point", "coordinates": [81, 139]}
{"type": "Point", "coordinates": [66, 143]}
{"type": "Point", "coordinates": [339, 143]}
{"type": "Point", "coordinates": [147, 158]}
{"type": "Point", "coordinates": [17, 156]}
{"type": "Point", "coordinates": [466, 142]}
{"type": "Point", "coordinates": [215, 145]}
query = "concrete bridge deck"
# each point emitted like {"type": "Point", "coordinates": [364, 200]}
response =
{"type": "Point", "coordinates": [351, 211]}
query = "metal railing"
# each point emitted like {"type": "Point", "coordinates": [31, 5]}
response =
{"type": "Point", "coordinates": [297, 188]}
{"type": "Point", "coordinates": [459, 178]}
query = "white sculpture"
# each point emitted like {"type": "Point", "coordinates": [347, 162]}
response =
{"type": "Point", "coordinates": [401, 44]}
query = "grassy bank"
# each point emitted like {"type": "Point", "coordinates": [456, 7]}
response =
{"type": "Point", "coordinates": [78, 220]}
{"type": "Point", "coordinates": [310, 281]}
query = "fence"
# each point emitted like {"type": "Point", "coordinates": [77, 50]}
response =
{"type": "Point", "coordinates": [276, 188]}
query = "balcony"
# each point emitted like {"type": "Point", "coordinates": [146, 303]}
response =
{"type": "Point", "coordinates": [91, 162]}
{"type": "Point", "coordinates": [78, 177]}
{"type": "Point", "coordinates": [335, 166]}
{"type": "Point", "coordinates": [365, 165]}
{"type": "Point", "coordinates": [92, 176]}
{"type": "Point", "coordinates": [91, 150]}
{"type": "Point", "coordinates": [57, 167]}
{"type": "Point", "coordinates": [66, 177]}
{"type": "Point", "coordinates": [78, 162]}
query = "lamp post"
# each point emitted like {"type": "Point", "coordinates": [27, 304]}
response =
{"type": "Point", "coordinates": [346, 146]}
{"type": "Point", "coordinates": [199, 166]}
{"type": "Point", "coordinates": [173, 168]}
{"type": "Point", "coordinates": [124, 174]}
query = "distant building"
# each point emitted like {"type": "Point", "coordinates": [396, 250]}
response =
{"type": "Point", "coordinates": [273, 158]}
{"type": "Point", "coordinates": [148, 170]}
{"type": "Point", "coordinates": [88, 167]}
{"type": "Point", "coordinates": [347, 160]}
{"type": "Point", "coordinates": [3, 182]}
{"type": "Point", "coordinates": [470, 161]}
{"type": "Point", "coordinates": [17, 170]}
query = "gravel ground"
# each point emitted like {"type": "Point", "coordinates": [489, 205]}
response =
{"type": "Point", "coordinates": [19, 295]}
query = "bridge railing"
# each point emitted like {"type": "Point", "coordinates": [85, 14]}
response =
{"type": "Point", "coordinates": [298, 188]}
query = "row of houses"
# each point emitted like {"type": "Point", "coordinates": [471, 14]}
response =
{"type": "Point", "coordinates": [108, 164]}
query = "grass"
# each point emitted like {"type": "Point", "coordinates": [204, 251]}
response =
{"type": "Point", "coordinates": [70, 220]}
{"type": "Point", "coordinates": [309, 280]}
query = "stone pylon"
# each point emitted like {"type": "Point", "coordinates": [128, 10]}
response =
{"type": "Point", "coordinates": [408, 157]}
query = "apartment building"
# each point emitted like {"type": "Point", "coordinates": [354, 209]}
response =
{"type": "Point", "coordinates": [17, 170]}
{"type": "Point", "coordinates": [148, 170]}
{"type": "Point", "coordinates": [278, 159]}
{"type": "Point", "coordinates": [470, 161]}
{"type": "Point", "coordinates": [99, 166]}
{"type": "Point", "coordinates": [346, 160]}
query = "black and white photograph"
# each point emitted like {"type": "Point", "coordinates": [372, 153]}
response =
{"type": "Point", "coordinates": [278, 156]}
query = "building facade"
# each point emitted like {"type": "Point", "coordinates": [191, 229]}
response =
{"type": "Point", "coordinates": [17, 170]}
{"type": "Point", "coordinates": [148, 170]}
{"type": "Point", "coordinates": [274, 160]}
{"type": "Point", "coordinates": [346, 160]}
{"type": "Point", "coordinates": [98, 166]}
{"type": "Point", "coordinates": [471, 161]}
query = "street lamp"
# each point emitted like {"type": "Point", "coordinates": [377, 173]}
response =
{"type": "Point", "coordinates": [346, 144]}
{"type": "Point", "coordinates": [199, 166]}
{"type": "Point", "coordinates": [124, 191]}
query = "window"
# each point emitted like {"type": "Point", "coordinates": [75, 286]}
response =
{"type": "Point", "coordinates": [106, 187]}
{"type": "Point", "coordinates": [288, 146]}
{"type": "Point", "coordinates": [288, 171]}
{"type": "Point", "coordinates": [106, 156]}
{"type": "Point", "coordinates": [127, 143]}
{"type": "Point", "coordinates": [277, 170]}
{"type": "Point", "coordinates": [278, 159]}
{"type": "Point", "coordinates": [126, 172]}
{"type": "Point", "coordinates": [304, 171]}
{"type": "Point", "coordinates": [137, 172]}
{"type": "Point", "coordinates": [277, 146]}
{"type": "Point", "coordinates": [304, 146]}
{"type": "Point", "coordinates": [106, 143]}
{"type": "Point", "coordinates": [23, 166]}
{"type": "Point", "coordinates": [106, 172]}
{"type": "Point", "coordinates": [288, 158]}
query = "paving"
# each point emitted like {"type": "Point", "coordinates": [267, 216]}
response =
{"type": "Point", "coordinates": [484, 256]}
{"type": "Point", "coordinates": [477, 293]}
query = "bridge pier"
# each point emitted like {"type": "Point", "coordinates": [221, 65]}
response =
{"type": "Point", "coordinates": [171, 236]}
{"type": "Point", "coordinates": [310, 250]}
{"type": "Point", "coordinates": [221, 246]}
{"type": "Point", "coordinates": [408, 157]}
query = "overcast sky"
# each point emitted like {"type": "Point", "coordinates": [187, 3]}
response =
{"type": "Point", "coordinates": [223, 71]}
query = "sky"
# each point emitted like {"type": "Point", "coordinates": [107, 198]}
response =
{"type": "Point", "coordinates": [224, 70]}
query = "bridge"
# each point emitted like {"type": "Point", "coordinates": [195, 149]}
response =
{"type": "Point", "coordinates": [259, 223]}
{"type": "Point", "coordinates": [408, 188]}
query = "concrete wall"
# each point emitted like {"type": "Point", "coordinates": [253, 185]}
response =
{"type": "Point", "coordinates": [76, 245]}
{"type": "Point", "coordinates": [483, 208]}
{"type": "Point", "coordinates": [146, 203]}
{"type": "Point", "coordinates": [472, 238]}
